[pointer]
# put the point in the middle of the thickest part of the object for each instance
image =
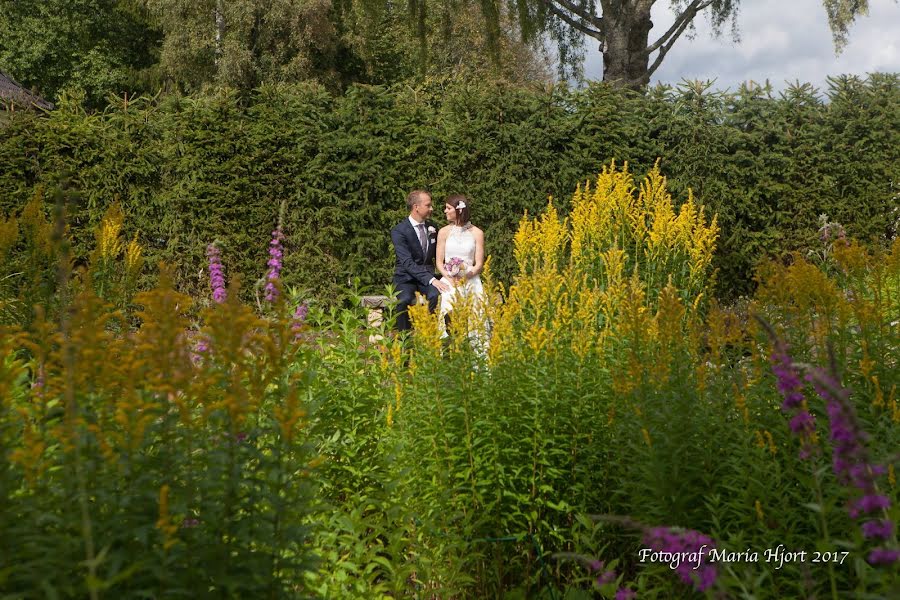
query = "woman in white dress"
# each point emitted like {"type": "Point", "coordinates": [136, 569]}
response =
{"type": "Point", "coordinates": [464, 242]}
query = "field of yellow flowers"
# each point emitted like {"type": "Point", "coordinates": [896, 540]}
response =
{"type": "Point", "coordinates": [599, 427]}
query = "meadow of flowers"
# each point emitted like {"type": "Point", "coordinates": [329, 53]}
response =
{"type": "Point", "coordinates": [623, 435]}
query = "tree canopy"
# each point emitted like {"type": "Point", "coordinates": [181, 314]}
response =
{"type": "Point", "coordinates": [116, 46]}
{"type": "Point", "coordinates": [622, 28]}
{"type": "Point", "coordinates": [103, 46]}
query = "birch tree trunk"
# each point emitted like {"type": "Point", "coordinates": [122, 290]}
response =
{"type": "Point", "coordinates": [220, 29]}
{"type": "Point", "coordinates": [625, 57]}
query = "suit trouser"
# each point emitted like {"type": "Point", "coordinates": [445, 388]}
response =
{"type": "Point", "coordinates": [407, 296]}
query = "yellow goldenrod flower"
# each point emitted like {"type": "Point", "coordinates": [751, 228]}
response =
{"type": "Point", "coordinates": [538, 337]}
{"type": "Point", "coordinates": [760, 441]}
{"type": "Point", "coordinates": [134, 260]}
{"type": "Point", "coordinates": [164, 522]}
{"type": "Point", "coordinates": [398, 394]}
{"type": "Point", "coordinates": [9, 234]}
{"type": "Point", "coordinates": [28, 456]}
{"type": "Point", "coordinates": [878, 402]}
{"type": "Point", "coordinates": [893, 404]}
{"type": "Point", "coordinates": [614, 260]}
{"type": "Point", "coordinates": [289, 414]}
{"type": "Point", "coordinates": [38, 230]}
{"type": "Point", "coordinates": [851, 257]}
{"type": "Point", "coordinates": [426, 331]}
{"type": "Point", "coordinates": [109, 244]}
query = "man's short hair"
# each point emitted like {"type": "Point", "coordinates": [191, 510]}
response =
{"type": "Point", "coordinates": [415, 197]}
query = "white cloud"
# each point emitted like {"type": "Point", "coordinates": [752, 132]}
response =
{"type": "Point", "coordinates": [780, 40]}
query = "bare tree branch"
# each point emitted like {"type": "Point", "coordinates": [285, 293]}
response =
{"type": "Point", "coordinates": [591, 18]}
{"type": "Point", "coordinates": [574, 22]}
{"type": "Point", "coordinates": [673, 37]}
{"type": "Point", "coordinates": [680, 24]}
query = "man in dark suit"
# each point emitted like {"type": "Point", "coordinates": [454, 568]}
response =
{"type": "Point", "coordinates": [415, 241]}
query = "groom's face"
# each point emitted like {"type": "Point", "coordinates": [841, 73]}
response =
{"type": "Point", "coordinates": [422, 210]}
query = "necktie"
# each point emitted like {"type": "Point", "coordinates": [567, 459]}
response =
{"type": "Point", "coordinates": [422, 239]}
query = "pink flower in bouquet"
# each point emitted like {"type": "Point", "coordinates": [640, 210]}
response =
{"type": "Point", "coordinates": [454, 266]}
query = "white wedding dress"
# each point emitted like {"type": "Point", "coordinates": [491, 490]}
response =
{"type": "Point", "coordinates": [461, 244]}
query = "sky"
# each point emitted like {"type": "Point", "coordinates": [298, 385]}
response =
{"type": "Point", "coordinates": [780, 40]}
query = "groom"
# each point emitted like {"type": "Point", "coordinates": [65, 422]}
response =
{"type": "Point", "coordinates": [415, 241]}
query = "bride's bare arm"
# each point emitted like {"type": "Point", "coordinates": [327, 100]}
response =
{"type": "Point", "coordinates": [479, 253]}
{"type": "Point", "coordinates": [439, 252]}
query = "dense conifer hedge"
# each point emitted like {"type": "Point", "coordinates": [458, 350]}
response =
{"type": "Point", "coordinates": [193, 170]}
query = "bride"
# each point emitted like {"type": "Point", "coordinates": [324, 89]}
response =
{"type": "Point", "coordinates": [460, 259]}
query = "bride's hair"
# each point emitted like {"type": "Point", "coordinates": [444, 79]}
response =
{"type": "Point", "coordinates": [462, 214]}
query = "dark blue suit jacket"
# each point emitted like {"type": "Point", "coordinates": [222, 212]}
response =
{"type": "Point", "coordinates": [413, 266]}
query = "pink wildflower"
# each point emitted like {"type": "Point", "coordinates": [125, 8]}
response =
{"type": "Point", "coordinates": [216, 276]}
{"type": "Point", "coordinates": [276, 253]}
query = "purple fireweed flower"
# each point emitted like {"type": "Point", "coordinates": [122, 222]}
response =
{"type": "Point", "coordinates": [606, 577]}
{"type": "Point", "coordinates": [883, 556]}
{"type": "Point", "coordinates": [790, 385]}
{"type": "Point", "coordinates": [851, 462]}
{"type": "Point", "coordinates": [200, 349]}
{"type": "Point", "coordinates": [868, 504]}
{"type": "Point", "coordinates": [625, 594]}
{"type": "Point", "coordinates": [275, 255]}
{"type": "Point", "coordinates": [802, 422]}
{"type": "Point", "coordinates": [847, 437]}
{"type": "Point", "coordinates": [216, 276]}
{"type": "Point", "coordinates": [832, 230]}
{"type": "Point", "coordinates": [701, 574]}
{"type": "Point", "coordinates": [849, 456]}
{"type": "Point", "coordinates": [300, 314]}
{"type": "Point", "coordinates": [880, 529]}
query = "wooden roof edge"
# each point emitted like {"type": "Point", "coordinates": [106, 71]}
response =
{"type": "Point", "coordinates": [13, 93]}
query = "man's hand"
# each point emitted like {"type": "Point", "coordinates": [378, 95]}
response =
{"type": "Point", "coordinates": [441, 286]}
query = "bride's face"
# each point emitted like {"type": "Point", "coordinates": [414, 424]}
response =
{"type": "Point", "coordinates": [450, 213]}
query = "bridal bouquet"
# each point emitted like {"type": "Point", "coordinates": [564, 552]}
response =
{"type": "Point", "coordinates": [455, 267]}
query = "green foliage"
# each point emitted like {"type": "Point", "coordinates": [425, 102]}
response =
{"type": "Point", "coordinates": [175, 457]}
{"type": "Point", "coordinates": [103, 47]}
{"type": "Point", "coordinates": [118, 481]}
{"type": "Point", "coordinates": [245, 43]}
{"type": "Point", "coordinates": [99, 46]}
{"type": "Point", "coordinates": [188, 171]}
{"type": "Point", "coordinates": [674, 420]}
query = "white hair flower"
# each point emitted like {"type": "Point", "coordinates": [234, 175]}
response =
{"type": "Point", "coordinates": [461, 205]}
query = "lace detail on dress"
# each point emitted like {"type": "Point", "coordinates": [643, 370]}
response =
{"type": "Point", "coordinates": [460, 244]}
